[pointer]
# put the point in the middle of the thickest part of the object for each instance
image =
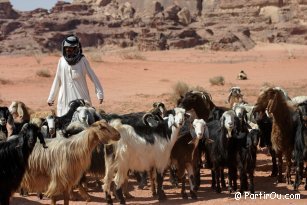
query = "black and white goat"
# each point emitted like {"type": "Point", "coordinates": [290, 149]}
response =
{"type": "Point", "coordinates": [14, 155]}
{"type": "Point", "coordinates": [142, 147]}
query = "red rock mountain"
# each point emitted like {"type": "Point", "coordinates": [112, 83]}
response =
{"type": "Point", "coordinates": [154, 25]}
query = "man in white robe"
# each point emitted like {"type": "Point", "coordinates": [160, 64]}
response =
{"type": "Point", "coordinates": [70, 79]}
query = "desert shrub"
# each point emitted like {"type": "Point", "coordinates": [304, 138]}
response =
{"type": "Point", "coordinates": [132, 56]}
{"type": "Point", "coordinates": [5, 81]}
{"type": "Point", "coordinates": [95, 57]}
{"type": "Point", "coordinates": [217, 80]}
{"type": "Point", "coordinates": [38, 58]}
{"type": "Point", "coordinates": [43, 73]}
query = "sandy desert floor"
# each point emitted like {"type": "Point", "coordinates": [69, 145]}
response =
{"type": "Point", "coordinates": [132, 81]}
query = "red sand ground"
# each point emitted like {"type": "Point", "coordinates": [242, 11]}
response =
{"type": "Point", "coordinates": [133, 85]}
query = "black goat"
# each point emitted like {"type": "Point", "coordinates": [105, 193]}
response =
{"type": "Point", "coordinates": [14, 155]}
{"type": "Point", "coordinates": [245, 149]}
{"type": "Point", "coordinates": [300, 144]}
{"type": "Point", "coordinates": [220, 152]}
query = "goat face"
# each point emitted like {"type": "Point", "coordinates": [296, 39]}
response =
{"type": "Point", "coordinates": [200, 128]}
{"type": "Point", "coordinates": [50, 120]}
{"type": "Point", "coordinates": [19, 111]}
{"type": "Point", "coordinates": [228, 122]}
{"type": "Point", "coordinates": [180, 116]}
{"type": "Point", "coordinates": [106, 133]}
{"type": "Point", "coordinates": [240, 112]}
{"type": "Point", "coordinates": [303, 111]}
{"type": "Point", "coordinates": [30, 133]}
{"type": "Point", "coordinates": [4, 115]}
{"type": "Point", "coordinates": [161, 108]}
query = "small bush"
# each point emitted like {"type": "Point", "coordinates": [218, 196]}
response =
{"type": "Point", "coordinates": [95, 57]}
{"type": "Point", "coordinates": [179, 89]}
{"type": "Point", "coordinates": [132, 55]}
{"type": "Point", "coordinates": [43, 73]}
{"type": "Point", "coordinates": [217, 80]}
{"type": "Point", "coordinates": [5, 81]}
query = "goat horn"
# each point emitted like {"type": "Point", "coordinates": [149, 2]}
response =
{"type": "Point", "coordinates": [145, 116]}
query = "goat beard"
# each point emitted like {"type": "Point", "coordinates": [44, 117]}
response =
{"type": "Point", "coordinates": [229, 135]}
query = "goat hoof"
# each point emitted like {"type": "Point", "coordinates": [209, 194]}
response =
{"type": "Point", "coordinates": [279, 180]}
{"type": "Point", "coordinates": [40, 196]}
{"type": "Point", "coordinates": [128, 196]}
{"type": "Point", "coordinates": [274, 173]}
{"type": "Point", "coordinates": [252, 189]}
{"type": "Point", "coordinates": [154, 193]}
{"type": "Point", "coordinates": [161, 196]}
{"type": "Point", "coordinates": [218, 190]}
{"type": "Point", "coordinates": [184, 195]}
{"type": "Point", "coordinates": [122, 202]}
{"type": "Point", "coordinates": [73, 196]}
{"type": "Point", "coordinates": [193, 194]}
{"type": "Point", "coordinates": [232, 189]}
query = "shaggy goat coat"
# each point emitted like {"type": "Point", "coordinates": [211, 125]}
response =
{"type": "Point", "coordinates": [57, 169]}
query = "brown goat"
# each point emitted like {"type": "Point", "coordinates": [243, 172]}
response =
{"type": "Point", "coordinates": [273, 101]}
{"type": "Point", "coordinates": [57, 169]}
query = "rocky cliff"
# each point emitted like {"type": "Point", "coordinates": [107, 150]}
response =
{"type": "Point", "coordinates": [154, 25]}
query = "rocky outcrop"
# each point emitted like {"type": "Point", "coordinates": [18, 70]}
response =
{"type": "Point", "coordinates": [154, 25]}
{"type": "Point", "coordinates": [6, 10]}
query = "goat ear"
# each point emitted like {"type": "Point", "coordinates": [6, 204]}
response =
{"type": "Point", "coordinates": [20, 110]}
{"type": "Point", "coordinates": [222, 121]}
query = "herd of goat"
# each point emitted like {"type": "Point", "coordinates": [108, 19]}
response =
{"type": "Point", "coordinates": [181, 141]}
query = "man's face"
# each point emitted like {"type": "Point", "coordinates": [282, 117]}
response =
{"type": "Point", "coordinates": [70, 51]}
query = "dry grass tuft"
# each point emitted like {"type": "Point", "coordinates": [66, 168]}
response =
{"type": "Point", "coordinates": [132, 56]}
{"type": "Point", "coordinates": [217, 80]}
{"type": "Point", "coordinates": [5, 81]}
{"type": "Point", "coordinates": [95, 57]}
{"type": "Point", "coordinates": [45, 73]}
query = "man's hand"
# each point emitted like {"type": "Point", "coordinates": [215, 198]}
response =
{"type": "Point", "coordinates": [100, 101]}
{"type": "Point", "coordinates": [50, 103]}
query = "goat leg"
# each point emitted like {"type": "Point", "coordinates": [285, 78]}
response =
{"type": "Point", "coordinates": [217, 179]}
{"type": "Point", "coordinates": [192, 187]}
{"type": "Point", "coordinates": [213, 182]}
{"type": "Point", "coordinates": [183, 192]}
{"type": "Point", "coordinates": [120, 196]}
{"type": "Point", "coordinates": [160, 191]}
{"type": "Point", "coordinates": [83, 193]}
{"type": "Point", "coordinates": [288, 170]}
{"type": "Point", "coordinates": [279, 176]}
{"type": "Point", "coordinates": [232, 178]}
{"type": "Point", "coordinates": [5, 199]}
{"type": "Point", "coordinates": [274, 163]}
{"type": "Point", "coordinates": [223, 179]}
{"type": "Point", "coordinates": [108, 198]}
{"type": "Point", "coordinates": [66, 197]}
{"type": "Point", "coordinates": [53, 201]}
{"type": "Point", "coordinates": [298, 175]}
{"type": "Point", "coordinates": [251, 182]}
{"type": "Point", "coordinates": [153, 182]}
